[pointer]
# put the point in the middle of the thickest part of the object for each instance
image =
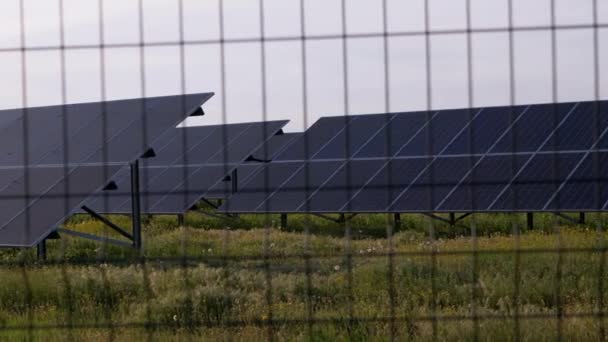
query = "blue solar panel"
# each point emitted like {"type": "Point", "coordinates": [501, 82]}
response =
{"type": "Point", "coordinates": [247, 170]}
{"type": "Point", "coordinates": [29, 215]}
{"type": "Point", "coordinates": [331, 196]}
{"type": "Point", "coordinates": [315, 139]}
{"type": "Point", "coordinates": [535, 183]}
{"type": "Point", "coordinates": [180, 175]}
{"type": "Point", "coordinates": [479, 159]}
{"type": "Point", "coordinates": [355, 135]}
{"type": "Point", "coordinates": [96, 133]}
{"type": "Point", "coordinates": [261, 185]}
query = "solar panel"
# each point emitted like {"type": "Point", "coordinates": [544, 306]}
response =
{"type": "Point", "coordinates": [181, 174]}
{"type": "Point", "coordinates": [115, 131]}
{"type": "Point", "coordinates": [480, 159]}
{"type": "Point", "coordinates": [31, 213]}
{"type": "Point", "coordinates": [245, 171]}
{"type": "Point", "coordinates": [7, 116]}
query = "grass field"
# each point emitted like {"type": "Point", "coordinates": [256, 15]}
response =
{"type": "Point", "coordinates": [226, 288]}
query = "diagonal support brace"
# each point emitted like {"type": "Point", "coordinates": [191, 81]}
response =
{"type": "Point", "coordinates": [107, 222]}
{"type": "Point", "coordinates": [94, 237]}
{"type": "Point", "coordinates": [566, 217]}
{"type": "Point", "coordinates": [438, 218]}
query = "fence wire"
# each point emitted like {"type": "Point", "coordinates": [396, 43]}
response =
{"type": "Point", "coordinates": [249, 277]}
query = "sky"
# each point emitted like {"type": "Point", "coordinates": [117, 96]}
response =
{"type": "Point", "coordinates": [324, 76]}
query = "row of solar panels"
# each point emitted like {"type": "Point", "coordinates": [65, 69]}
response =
{"type": "Point", "coordinates": [523, 158]}
{"type": "Point", "coordinates": [549, 157]}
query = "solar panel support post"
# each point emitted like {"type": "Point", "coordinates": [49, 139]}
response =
{"type": "Point", "coordinates": [135, 205]}
{"type": "Point", "coordinates": [452, 219]}
{"type": "Point", "coordinates": [581, 218]}
{"type": "Point", "coordinates": [180, 220]}
{"type": "Point", "coordinates": [41, 250]}
{"type": "Point", "coordinates": [396, 222]}
{"type": "Point", "coordinates": [530, 220]}
{"type": "Point", "coordinates": [283, 221]}
{"type": "Point", "coordinates": [234, 182]}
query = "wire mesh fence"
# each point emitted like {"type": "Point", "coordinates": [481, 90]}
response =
{"type": "Point", "coordinates": [211, 273]}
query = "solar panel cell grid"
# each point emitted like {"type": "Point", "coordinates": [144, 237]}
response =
{"type": "Point", "coordinates": [355, 135]}
{"type": "Point", "coordinates": [336, 192]}
{"type": "Point", "coordinates": [401, 129]}
{"type": "Point", "coordinates": [537, 181]}
{"type": "Point", "coordinates": [384, 186]}
{"type": "Point", "coordinates": [506, 171]}
{"type": "Point", "coordinates": [50, 204]}
{"type": "Point", "coordinates": [246, 171]}
{"type": "Point", "coordinates": [173, 144]}
{"type": "Point", "coordinates": [315, 138]}
{"type": "Point", "coordinates": [299, 186]}
{"type": "Point", "coordinates": [263, 183]}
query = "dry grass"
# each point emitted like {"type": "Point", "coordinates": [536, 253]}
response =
{"type": "Point", "coordinates": [223, 294]}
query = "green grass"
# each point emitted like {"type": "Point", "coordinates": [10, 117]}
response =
{"type": "Point", "coordinates": [228, 290]}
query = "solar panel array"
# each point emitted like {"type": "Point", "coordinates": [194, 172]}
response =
{"type": "Point", "coordinates": [548, 157]}
{"type": "Point", "coordinates": [264, 154]}
{"type": "Point", "coordinates": [53, 158]}
{"type": "Point", "coordinates": [188, 163]}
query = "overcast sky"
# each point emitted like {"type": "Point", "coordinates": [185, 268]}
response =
{"type": "Point", "coordinates": [366, 85]}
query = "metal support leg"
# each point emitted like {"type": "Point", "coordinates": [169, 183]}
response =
{"type": "Point", "coordinates": [234, 182]}
{"type": "Point", "coordinates": [530, 220]}
{"type": "Point", "coordinates": [234, 177]}
{"type": "Point", "coordinates": [452, 219]}
{"type": "Point", "coordinates": [581, 218]}
{"type": "Point", "coordinates": [397, 223]}
{"type": "Point", "coordinates": [41, 250]}
{"type": "Point", "coordinates": [135, 205]}
{"type": "Point", "coordinates": [283, 221]}
{"type": "Point", "coordinates": [180, 220]}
